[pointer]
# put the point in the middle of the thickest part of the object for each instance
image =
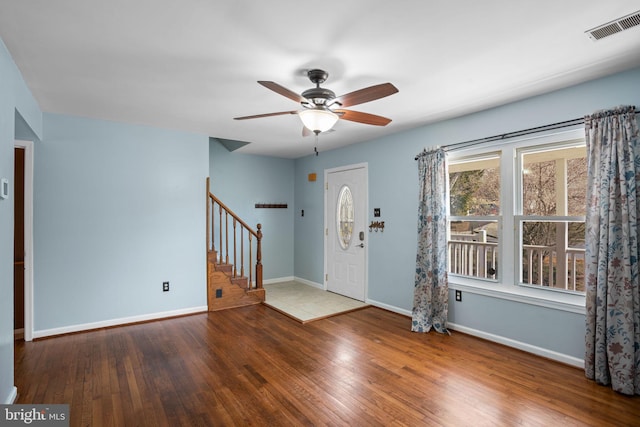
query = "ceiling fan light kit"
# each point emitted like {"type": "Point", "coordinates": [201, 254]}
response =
{"type": "Point", "coordinates": [318, 119]}
{"type": "Point", "coordinates": [317, 115]}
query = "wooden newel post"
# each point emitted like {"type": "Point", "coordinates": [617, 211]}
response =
{"type": "Point", "coordinates": [259, 258]}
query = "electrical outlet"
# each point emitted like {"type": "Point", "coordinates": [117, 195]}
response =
{"type": "Point", "coordinates": [219, 293]}
{"type": "Point", "coordinates": [458, 295]}
{"type": "Point", "coordinates": [165, 286]}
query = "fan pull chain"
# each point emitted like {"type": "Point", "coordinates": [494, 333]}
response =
{"type": "Point", "coordinates": [315, 148]}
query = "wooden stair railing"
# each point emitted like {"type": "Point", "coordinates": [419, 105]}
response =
{"type": "Point", "coordinates": [219, 234]}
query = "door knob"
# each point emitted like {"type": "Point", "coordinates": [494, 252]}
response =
{"type": "Point", "coordinates": [361, 245]}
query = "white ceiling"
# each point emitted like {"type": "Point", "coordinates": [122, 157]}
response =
{"type": "Point", "coordinates": [193, 64]}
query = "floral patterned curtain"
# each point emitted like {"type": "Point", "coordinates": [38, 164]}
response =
{"type": "Point", "coordinates": [431, 292]}
{"type": "Point", "coordinates": [612, 355]}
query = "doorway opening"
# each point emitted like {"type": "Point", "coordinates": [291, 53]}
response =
{"type": "Point", "coordinates": [23, 240]}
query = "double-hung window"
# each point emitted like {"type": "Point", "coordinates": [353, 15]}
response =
{"type": "Point", "coordinates": [550, 216]}
{"type": "Point", "coordinates": [474, 222]}
{"type": "Point", "coordinates": [517, 214]}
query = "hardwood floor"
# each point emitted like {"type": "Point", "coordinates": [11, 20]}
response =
{"type": "Point", "coordinates": [255, 366]}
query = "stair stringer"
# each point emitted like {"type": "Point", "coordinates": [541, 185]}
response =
{"type": "Point", "coordinates": [233, 295]}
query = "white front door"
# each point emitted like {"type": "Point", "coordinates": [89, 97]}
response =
{"type": "Point", "coordinates": [345, 224]}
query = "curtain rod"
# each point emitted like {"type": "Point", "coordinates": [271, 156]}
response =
{"type": "Point", "coordinates": [523, 132]}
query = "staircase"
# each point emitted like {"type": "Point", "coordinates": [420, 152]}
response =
{"type": "Point", "coordinates": [231, 245]}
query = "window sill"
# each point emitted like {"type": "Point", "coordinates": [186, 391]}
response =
{"type": "Point", "coordinates": [555, 300]}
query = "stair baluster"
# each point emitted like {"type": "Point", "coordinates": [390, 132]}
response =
{"type": "Point", "coordinates": [220, 226]}
{"type": "Point", "coordinates": [235, 263]}
{"type": "Point", "coordinates": [226, 235]}
{"type": "Point", "coordinates": [259, 255]}
{"type": "Point", "coordinates": [242, 252]}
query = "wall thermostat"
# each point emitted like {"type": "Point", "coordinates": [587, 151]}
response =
{"type": "Point", "coordinates": [4, 188]}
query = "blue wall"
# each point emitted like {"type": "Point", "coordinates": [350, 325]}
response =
{"type": "Point", "coordinates": [15, 101]}
{"type": "Point", "coordinates": [118, 210]}
{"type": "Point", "coordinates": [393, 188]}
{"type": "Point", "coordinates": [240, 181]}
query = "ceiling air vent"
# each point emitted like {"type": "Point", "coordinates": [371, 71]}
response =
{"type": "Point", "coordinates": [620, 24]}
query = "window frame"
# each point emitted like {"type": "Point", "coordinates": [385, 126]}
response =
{"type": "Point", "coordinates": [507, 285]}
{"type": "Point", "coordinates": [487, 155]}
{"type": "Point", "coordinates": [520, 218]}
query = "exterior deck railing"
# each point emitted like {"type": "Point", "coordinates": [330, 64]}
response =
{"type": "Point", "coordinates": [475, 258]}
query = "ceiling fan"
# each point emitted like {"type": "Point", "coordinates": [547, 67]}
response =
{"type": "Point", "coordinates": [322, 108]}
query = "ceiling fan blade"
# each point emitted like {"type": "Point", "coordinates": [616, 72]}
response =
{"type": "Point", "coordinates": [366, 118]}
{"type": "Point", "coordinates": [282, 91]}
{"type": "Point", "coordinates": [367, 94]}
{"type": "Point", "coordinates": [258, 116]}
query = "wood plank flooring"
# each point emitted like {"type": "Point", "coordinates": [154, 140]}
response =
{"type": "Point", "coordinates": [255, 366]}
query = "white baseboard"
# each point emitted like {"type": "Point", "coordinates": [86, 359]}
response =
{"type": "Point", "coordinates": [539, 351]}
{"type": "Point", "coordinates": [293, 279]}
{"type": "Point", "coordinates": [13, 395]}
{"type": "Point", "coordinates": [310, 283]}
{"type": "Point", "coordinates": [389, 307]}
{"type": "Point", "coordinates": [117, 322]}
{"type": "Point", "coordinates": [278, 280]}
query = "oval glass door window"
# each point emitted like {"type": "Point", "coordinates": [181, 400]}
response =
{"type": "Point", "coordinates": [345, 217]}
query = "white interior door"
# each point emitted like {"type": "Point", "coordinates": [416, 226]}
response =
{"type": "Point", "coordinates": [346, 239]}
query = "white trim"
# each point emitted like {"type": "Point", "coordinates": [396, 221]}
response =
{"type": "Point", "coordinates": [508, 285]}
{"type": "Point", "coordinates": [538, 351]}
{"type": "Point", "coordinates": [292, 279]}
{"type": "Point", "coordinates": [345, 168]}
{"type": "Point", "coordinates": [309, 283]}
{"type": "Point", "coordinates": [118, 322]}
{"type": "Point", "coordinates": [13, 395]}
{"type": "Point", "coordinates": [388, 307]}
{"type": "Point", "coordinates": [572, 303]}
{"type": "Point", "coordinates": [548, 137]}
{"type": "Point", "coordinates": [278, 280]}
{"type": "Point", "coordinates": [28, 236]}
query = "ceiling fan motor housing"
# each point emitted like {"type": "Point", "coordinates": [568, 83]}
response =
{"type": "Point", "coordinates": [317, 96]}
{"type": "Point", "coordinates": [317, 76]}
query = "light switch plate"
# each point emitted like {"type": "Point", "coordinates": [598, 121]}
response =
{"type": "Point", "coordinates": [4, 188]}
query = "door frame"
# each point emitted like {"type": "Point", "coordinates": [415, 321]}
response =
{"type": "Point", "coordinates": [28, 147]}
{"type": "Point", "coordinates": [364, 166]}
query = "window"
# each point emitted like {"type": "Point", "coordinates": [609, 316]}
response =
{"type": "Point", "coordinates": [517, 214]}
{"type": "Point", "coordinates": [551, 228]}
{"type": "Point", "coordinates": [474, 205]}
{"type": "Point", "coordinates": [345, 217]}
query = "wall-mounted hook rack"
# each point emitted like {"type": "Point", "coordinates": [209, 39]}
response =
{"type": "Point", "coordinates": [271, 205]}
{"type": "Point", "coordinates": [376, 225]}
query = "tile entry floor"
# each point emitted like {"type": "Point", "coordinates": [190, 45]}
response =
{"type": "Point", "coordinates": [306, 303]}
